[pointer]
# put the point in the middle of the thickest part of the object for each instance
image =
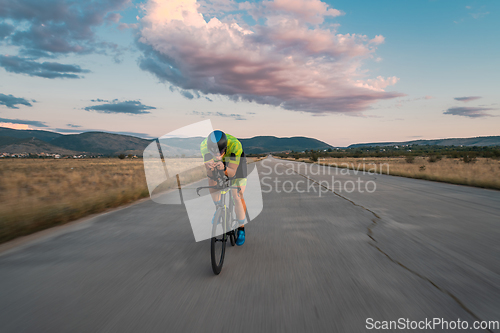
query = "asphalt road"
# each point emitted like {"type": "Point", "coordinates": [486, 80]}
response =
{"type": "Point", "coordinates": [315, 262]}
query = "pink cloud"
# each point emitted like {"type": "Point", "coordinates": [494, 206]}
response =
{"type": "Point", "coordinates": [310, 11]}
{"type": "Point", "coordinates": [379, 39]}
{"type": "Point", "coordinates": [284, 62]}
{"type": "Point", "coordinates": [16, 126]}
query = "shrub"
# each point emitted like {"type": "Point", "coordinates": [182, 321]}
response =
{"type": "Point", "coordinates": [121, 156]}
{"type": "Point", "coordinates": [314, 158]}
{"type": "Point", "coordinates": [469, 159]}
{"type": "Point", "coordinates": [422, 168]}
{"type": "Point", "coordinates": [410, 159]}
{"type": "Point", "coordinates": [434, 158]}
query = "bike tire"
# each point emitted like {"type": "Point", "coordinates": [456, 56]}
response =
{"type": "Point", "coordinates": [218, 245]}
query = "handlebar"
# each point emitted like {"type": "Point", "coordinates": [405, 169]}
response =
{"type": "Point", "coordinates": [222, 182]}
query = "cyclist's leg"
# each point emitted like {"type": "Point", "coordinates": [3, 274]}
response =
{"type": "Point", "coordinates": [241, 182]}
{"type": "Point", "coordinates": [239, 201]}
{"type": "Point", "coordinates": [213, 192]}
{"type": "Point", "coordinates": [240, 209]}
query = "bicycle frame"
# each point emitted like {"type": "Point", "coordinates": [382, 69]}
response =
{"type": "Point", "coordinates": [224, 185]}
{"type": "Point", "coordinates": [223, 213]}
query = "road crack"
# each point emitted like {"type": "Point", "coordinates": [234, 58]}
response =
{"type": "Point", "coordinates": [370, 235]}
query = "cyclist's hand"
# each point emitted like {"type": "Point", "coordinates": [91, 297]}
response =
{"type": "Point", "coordinates": [219, 165]}
{"type": "Point", "coordinates": [210, 165]}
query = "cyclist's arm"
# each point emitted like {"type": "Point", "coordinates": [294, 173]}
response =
{"type": "Point", "coordinates": [231, 169]}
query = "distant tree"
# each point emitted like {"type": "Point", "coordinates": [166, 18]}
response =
{"type": "Point", "coordinates": [121, 156]}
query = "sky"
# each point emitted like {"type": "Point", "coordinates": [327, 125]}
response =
{"type": "Point", "coordinates": [342, 72]}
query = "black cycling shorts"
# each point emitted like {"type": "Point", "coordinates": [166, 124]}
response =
{"type": "Point", "coordinates": [241, 172]}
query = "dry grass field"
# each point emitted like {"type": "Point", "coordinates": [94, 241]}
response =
{"type": "Point", "coordinates": [484, 172]}
{"type": "Point", "coordinates": [36, 194]}
{"type": "Point", "coordinates": [39, 193]}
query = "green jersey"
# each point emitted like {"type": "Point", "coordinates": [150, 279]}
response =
{"type": "Point", "coordinates": [233, 151]}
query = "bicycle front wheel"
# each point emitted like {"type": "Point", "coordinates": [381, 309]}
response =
{"type": "Point", "coordinates": [218, 243]}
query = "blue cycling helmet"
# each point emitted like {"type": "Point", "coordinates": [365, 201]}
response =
{"type": "Point", "coordinates": [217, 142]}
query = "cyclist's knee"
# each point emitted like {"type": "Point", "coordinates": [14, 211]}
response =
{"type": "Point", "coordinates": [236, 196]}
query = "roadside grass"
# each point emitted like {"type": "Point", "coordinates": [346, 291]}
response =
{"type": "Point", "coordinates": [37, 194]}
{"type": "Point", "coordinates": [484, 172]}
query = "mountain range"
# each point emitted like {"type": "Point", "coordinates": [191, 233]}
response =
{"type": "Point", "coordinates": [108, 144]}
{"type": "Point", "coordinates": [37, 141]}
{"type": "Point", "coordinates": [476, 141]}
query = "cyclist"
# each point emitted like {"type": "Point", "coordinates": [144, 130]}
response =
{"type": "Point", "coordinates": [224, 152]}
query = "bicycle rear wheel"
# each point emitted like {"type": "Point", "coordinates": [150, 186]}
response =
{"type": "Point", "coordinates": [218, 243]}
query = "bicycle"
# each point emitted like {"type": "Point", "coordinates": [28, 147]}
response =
{"type": "Point", "coordinates": [224, 224]}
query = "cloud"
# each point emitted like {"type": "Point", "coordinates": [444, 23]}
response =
{"type": "Point", "coordinates": [187, 94]}
{"type": "Point", "coordinates": [73, 125]}
{"type": "Point", "coordinates": [6, 29]}
{"type": "Point", "coordinates": [471, 112]}
{"type": "Point", "coordinates": [24, 122]}
{"type": "Point", "coordinates": [235, 116]}
{"type": "Point", "coordinates": [59, 26]}
{"type": "Point", "coordinates": [48, 70]}
{"type": "Point", "coordinates": [129, 107]}
{"type": "Point", "coordinates": [124, 26]}
{"type": "Point", "coordinates": [407, 100]}
{"type": "Point", "coordinates": [286, 59]}
{"type": "Point", "coordinates": [467, 99]}
{"type": "Point", "coordinates": [113, 17]}
{"type": "Point", "coordinates": [11, 101]}
{"type": "Point", "coordinates": [479, 15]}
{"type": "Point", "coordinates": [310, 11]}
{"type": "Point", "coordinates": [67, 130]}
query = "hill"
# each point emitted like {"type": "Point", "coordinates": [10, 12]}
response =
{"type": "Point", "coordinates": [34, 146]}
{"type": "Point", "coordinates": [101, 143]}
{"type": "Point", "coordinates": [113, 144]}
{"type": "Point", "coordinates": [269, 144]}
{"type": "Point", "coordinates": [46, 136]}
{"type": "Point", "coordinates": [255, 145]}
{"type": "Point", "coordinates": [476, 141]}
{"type": "Point", "coordinates": [7, 140]}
